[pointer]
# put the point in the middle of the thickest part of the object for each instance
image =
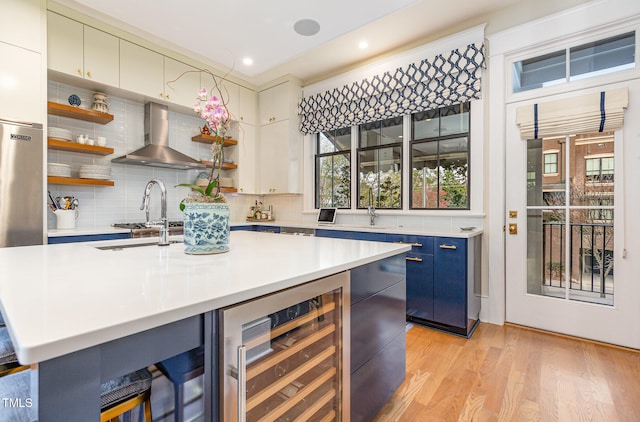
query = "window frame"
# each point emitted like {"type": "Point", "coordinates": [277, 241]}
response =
{"type": "Point", "coordinates": [439, 139]}
{"type": "Point", "coordinates": [544, 158]}
{"type": "Point", "coordinates": [360, 149]}
{"type": "Point", "coordinates": [318, 156]}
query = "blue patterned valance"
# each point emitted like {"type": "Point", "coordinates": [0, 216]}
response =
{"type": "Point", "coordinates": [441, 81]}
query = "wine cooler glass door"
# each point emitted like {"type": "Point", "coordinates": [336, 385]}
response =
{"type": "Point", "coordinates": [284, 355]}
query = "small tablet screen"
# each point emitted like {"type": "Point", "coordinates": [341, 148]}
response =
{"type": "Point", "coordinates": [327, 215]}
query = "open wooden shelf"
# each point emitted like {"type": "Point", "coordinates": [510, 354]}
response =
{"type": "Point", "coordinates": [225, 166]}
{"type": "Point", "coordinates": [208, 139]}
{"type": "Point", "coordinates": [78, 113]}
{"type": "Point", "coordinates": [55, 180]}
{"type": "Point", "coordinates": [228, 190]}
{"type": "Point", "coordinates": [73, 147]}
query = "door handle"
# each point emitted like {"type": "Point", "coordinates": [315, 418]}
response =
{"type": "Point", "coordinates": [448, 247]}
{"type": "Point", "coordinates": [418, 245]}
{"type": "Point", "coordinates": [242, 383]}
{"type": "Point", "coordinates": [513, 228]}
{"type": "Point", "coordinates": [411, 258]}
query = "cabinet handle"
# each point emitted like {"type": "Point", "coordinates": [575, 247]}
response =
{"type": "Point", "coordinates": [242, 383]}
{"type": "Point", "coordinates": [167, 96]}
{"type": "Point", "coordinates": [88, 74]}
{"type": "Point", "coordinates": [448, 247]}
{"type": "Point", "coordinates": [412, 258]}
{"type": "Point", "coordinates": [161, 95]}
{"type": "Point", "coordinates": [241, 118]}
{"type": "Point", "coordinates": [418, 245]}
{"type": "Point", "coordinates": [79, 72]}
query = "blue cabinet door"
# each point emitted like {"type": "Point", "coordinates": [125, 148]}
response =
{"type": "Point", "coordinates": [420, 286]}
{"type": "Point", "coordinates": [268, 229]}
{"type": "Point", "coordinates": [87, 238]}
{"type": "Point", "coordinates": [450, 281]}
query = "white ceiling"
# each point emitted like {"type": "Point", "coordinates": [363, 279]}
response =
{"type": "Point", "coordinates": [223, 33]}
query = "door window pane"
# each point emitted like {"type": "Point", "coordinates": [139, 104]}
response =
{"type": "Point", "coordinates": [383, 132]}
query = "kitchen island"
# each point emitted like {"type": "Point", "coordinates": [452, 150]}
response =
{"type": "Point", "coordinates": [86, 315]}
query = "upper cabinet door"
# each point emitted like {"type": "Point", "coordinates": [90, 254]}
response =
{"type": "Point", "coordinates": [141, 70]}
{"type": "Point", "coordinates": [65, 45]}
{"type": "Point", "coordinates": [247, 105]}
{"type": "Point", "coordinates": [21, 92]}
{"type": "Point", "coordinates": [181, 82]}
{"type": "Point", "coordinates": [273, 104]}
{"type": "Point", "coordinates": [21, 23]}
{"type": "Point", "coordinates": [101, 57]}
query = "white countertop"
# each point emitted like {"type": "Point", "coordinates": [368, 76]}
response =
{"type": "Point", "coordinates": [57, 299]}
{"type": "Point", "coordinates": [364, 228]}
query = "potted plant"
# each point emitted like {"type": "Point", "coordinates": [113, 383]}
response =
{"type": "Point", "coordinates": [206, 213]}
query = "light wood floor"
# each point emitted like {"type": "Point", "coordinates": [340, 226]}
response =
{"type": "Point", "coordinates": [508, 373]}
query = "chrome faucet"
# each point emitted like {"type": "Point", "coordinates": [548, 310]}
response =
{"type": "Point", "coordinates": [371, 210]}
{"type": "Point", "coordinates": [163, 224]}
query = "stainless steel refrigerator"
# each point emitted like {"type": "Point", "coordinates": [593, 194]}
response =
{"type": "Point", "coordinates": [21, 184]}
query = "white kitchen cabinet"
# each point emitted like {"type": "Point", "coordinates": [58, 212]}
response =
{"type": "Point", "coordinates": [65, 45]}
{"type": "Point", "coordinates": [247, 105]}
{"type": "Point", "coordinates": [280, 161]}
{"type": "Point", "coordinates": [246, 158]}
{"type": "Point", "coordinates": [21, 23]}
{"type": "Point", "coordinates": [21, 81]}
{"type": "Point", "coordinates": [181, 82]}
{"type": "Point", "coordinates": [141, 70]}
{"type": "Point", "coordinates": [275, 104]}
{"type": "Point", "coordinates": [82, 51]}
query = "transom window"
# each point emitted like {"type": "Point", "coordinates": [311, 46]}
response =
{"type": "Point", "coordinates": [612, 54]}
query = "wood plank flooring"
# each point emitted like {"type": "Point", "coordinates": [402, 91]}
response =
{"type": "Point", "coordinates": [509, 373]}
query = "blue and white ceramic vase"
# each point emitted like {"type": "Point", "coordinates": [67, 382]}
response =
{"type": "Point", "coordinates": [206, 228]}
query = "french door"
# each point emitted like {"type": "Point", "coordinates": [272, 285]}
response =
{"type": "Point", "coordinates": [560, 259]}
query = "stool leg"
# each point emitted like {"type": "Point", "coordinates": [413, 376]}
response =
{"type": "Point", "coordinates": [178, 401]}
{"type": "Point", "coordinates": [147, 411]}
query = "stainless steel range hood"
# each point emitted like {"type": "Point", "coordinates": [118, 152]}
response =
{"type": "Point", "coordinates": [156, 152]}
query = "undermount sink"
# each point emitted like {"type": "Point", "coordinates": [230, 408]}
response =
{"type": "Point", "coordinates": [124, 246]}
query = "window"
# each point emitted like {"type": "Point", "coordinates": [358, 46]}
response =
{"type": "Point", "coordinates": [333, 169]}
{"type": "Point", "coordinates": [551, 163]}
{"type": "Point", "coordinates": [440, 158]}
{"type": "Point", "coordinates": [380, 164]}
{"type": "Point", "coordinates": [608, 55]}
{"type": "Point", "coordinates": [599, 169]}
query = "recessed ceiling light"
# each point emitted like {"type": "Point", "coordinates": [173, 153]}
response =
{"type": "Point", "coordinates": [306, 27]}
{"type": "Point", "coordinates": [363, 44]}
{"type": "Point", "coordinates": [247, 61]}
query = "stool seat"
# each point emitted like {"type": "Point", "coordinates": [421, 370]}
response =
{"type": "Point", "coordinates": [123, 388]}
{"type": "Point", "coordinates": [7, 352]}
{"type": "Point", "coordinates": [180, 369]}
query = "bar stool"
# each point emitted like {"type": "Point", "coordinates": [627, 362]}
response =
{"type": "Point", "coordinates": [180, 369]}
{"type": "Point", "coordinates": [117, 396]}
{"type": "Point", "coordinates": [8, 360]}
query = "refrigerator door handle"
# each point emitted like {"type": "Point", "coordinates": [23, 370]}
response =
{"type": "Point", "coordinates": [242, 383]}
{"type": "Point", "coordinates": [18, 123]}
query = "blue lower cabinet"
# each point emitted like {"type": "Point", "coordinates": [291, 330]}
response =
{"type": "Point", "coordinates": [450, 289]}
{"type": "Point", "coordinates": [378, 345]}
{"type": "Point", "coordinates": [87, 238]}
{"type": "Point", "coordinates": [420, 286]}
{"type": "Point", "coordinates": [248, 228]}
{"type": "Point", "coordinates": [348, 234]}
{"type": "Point", "coordinates": [373, 384]}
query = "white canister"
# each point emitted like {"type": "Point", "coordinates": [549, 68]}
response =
{"type": "Point", "coordinates": [66, 219]}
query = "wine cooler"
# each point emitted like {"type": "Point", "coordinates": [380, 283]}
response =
{"type": "Point", "coordinates": [285, 357]}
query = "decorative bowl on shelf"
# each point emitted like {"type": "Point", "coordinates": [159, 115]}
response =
{"type": "Point", "coordinates": [74, 100]}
